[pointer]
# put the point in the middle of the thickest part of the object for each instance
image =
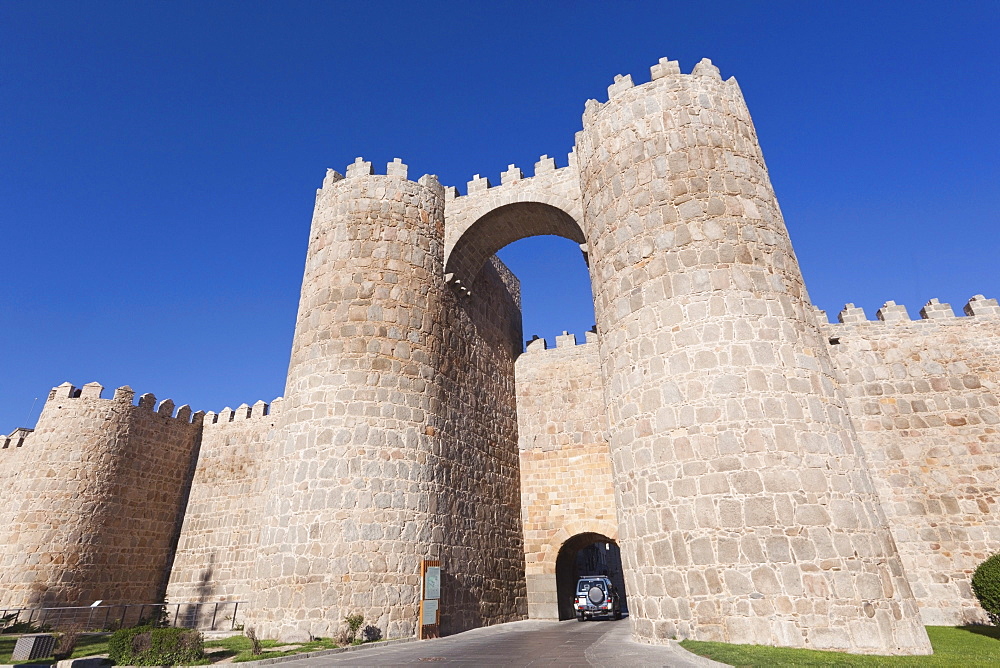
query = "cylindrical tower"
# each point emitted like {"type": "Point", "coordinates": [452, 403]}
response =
{"type": "Point", "coordinates": [94, 507]}
{"type": "Point", "coordinates": [349, 513]}
{"type": "Point", "coordinates": [746, 513]}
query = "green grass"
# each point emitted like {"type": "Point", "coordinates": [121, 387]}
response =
{"type": "Point", "coordinates": [965, 646]}
{"type": "Point", "coordinates": [87, 645]}
{"type": "Point", "coordinates": [238, 647]}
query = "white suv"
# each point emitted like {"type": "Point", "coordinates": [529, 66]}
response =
{"type": "Point", "coordinates": [595, 597]}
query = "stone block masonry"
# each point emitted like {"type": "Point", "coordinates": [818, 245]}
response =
{"type": "Point", "coordinates": [566, 482]}
{"type": "Point", "coordinates": [770, 477]}
{"type": "Point", "coordinates": [923, 396]}
{"type": "Point", "coordinates": [746, 511]}
{"type": "Point", "coordinates": [221, 530]}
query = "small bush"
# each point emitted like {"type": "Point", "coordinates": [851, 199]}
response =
{"type": "Point", "coordinates": [65, 644]}
{"type": "Point", "coordinates": [354, 623]}
{"type": "Point", "coordinates": [151, 646]}
{"type": "Point", "coordinates": [372, 633]}
{"type": "Point", "coordinates": [986, 587]}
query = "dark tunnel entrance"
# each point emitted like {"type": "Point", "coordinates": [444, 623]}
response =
{"type": "Point", "coordinates": [587, 554]}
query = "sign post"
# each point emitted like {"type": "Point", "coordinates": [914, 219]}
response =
{"type": "Point", "coordinates": [430, 609]}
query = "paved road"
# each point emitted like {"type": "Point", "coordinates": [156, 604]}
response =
{"type": "Point", "coordinates": [527, 643]}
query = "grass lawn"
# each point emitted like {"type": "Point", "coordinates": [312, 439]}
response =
{"type": "Point", "coordinates": [238, 647]}
{"type": "Point", "coordinates": [965, 646]}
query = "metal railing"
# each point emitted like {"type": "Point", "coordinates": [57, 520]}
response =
{"type": "Point", "coordinates": [216, 616]}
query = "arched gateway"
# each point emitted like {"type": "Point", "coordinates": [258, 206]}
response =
{"type": "Point", "coordinates": [583, 555]}
{"type": "Point", "coordinates": [743, 506]}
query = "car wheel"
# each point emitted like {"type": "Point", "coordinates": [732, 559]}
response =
{"type": "Point", "coordinates": [618, 614]}
{"type": "Point", "coordinates": [581, 617]}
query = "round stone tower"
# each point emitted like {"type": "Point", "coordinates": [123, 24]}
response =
{"type": "Point", "coordinates": [350, 510]}
{"type": "Point", "coordinates": [746, 513]}
{"type": "Point", "coordinates": [94, 507]}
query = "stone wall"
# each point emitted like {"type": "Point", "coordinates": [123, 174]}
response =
{"type": "Point", "coordinates": [479, 502]}
{"type": "Point", "coordinates": [746, 510]}
{"type": "Point", "coordinates": [221, 530]}
{"type": "Point", "coordinates": [924, 398]}
{"type": "Point", "coordinates": [94, 509]}
{"type": "Point", "coordinates": [10, 459]}
{"type": "Point", "coordinates": [566, 484]}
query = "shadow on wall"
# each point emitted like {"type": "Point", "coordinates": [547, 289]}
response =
{"type": "Point", "coordinates": [459, 606]}
{"type": "Point", "coordinates": [205, 586]}
{"type": "Point", "coordinates": [41, 597]}
{"type": "Point", "coordinates": [587, 554]}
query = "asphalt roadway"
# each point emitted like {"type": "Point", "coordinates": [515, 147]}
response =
{"type": "Point", "coordinates": [527, 643]}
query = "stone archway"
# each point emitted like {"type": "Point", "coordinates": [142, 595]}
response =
{"type": "Point", "coordinates": [585, 554]}
{"type": "Point", "coordinates": [504, 225]}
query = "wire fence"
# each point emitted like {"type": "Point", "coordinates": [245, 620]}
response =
{"type": "Point", "coordinates": [220, 616]}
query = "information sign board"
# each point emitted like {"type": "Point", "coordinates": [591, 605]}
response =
{"type": "Point", "coordinates": [429, 623]}
{"type": "Point", "coordinates": [432, 582]}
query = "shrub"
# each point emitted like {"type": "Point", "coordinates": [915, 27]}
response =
{"type": "Point", "coordinates": [255, 648]}
{"type": "Point", "coordinates": [151, 646]}
{"type": "Point", "coordinates": [65, 644]}
{"type": "Point", "coordinates": [354, 623]}
{"type": "Point", "coordinates": [986, 587]}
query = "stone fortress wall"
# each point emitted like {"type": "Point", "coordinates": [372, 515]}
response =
{"type": "Point", "coordinates": [566, 485]}
{"type": "Point", "coordinates": [923, 396]}
{"type": "Point", "coordinates": [98, 490]}
{"type": "Point", "coordinates": [771, 478]}
{"type": "Point", "coordinates": [221, 530]}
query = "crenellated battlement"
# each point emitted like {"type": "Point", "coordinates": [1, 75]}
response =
{"type": "Point", "coordinates": [126, 395]}
{"type": "Point", "coordinates": [545, 167]}
{"type": "Point", "coordinates": [15, 439]}
{"type": "Point", "coordinates": [362, 168]}
{"type": "Point", "coordinates": [87, 465]}
{"type": "Point", "coordinates": [664, 70]}
{"type": "Point", "coordinates": [538, 344]}
{"type": "Point", "coordinates": [243, 413]}
{"type": "Point", "coordinates": [549, 202]}
{"type": "Point", "coordinates": [977, 308]}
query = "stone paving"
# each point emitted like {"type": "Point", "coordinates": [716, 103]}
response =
{"type": "Point", "coordinates": [526, 643]}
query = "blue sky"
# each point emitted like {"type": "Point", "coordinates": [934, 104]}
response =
{"type": "Point", "coordinates": [158, 160]}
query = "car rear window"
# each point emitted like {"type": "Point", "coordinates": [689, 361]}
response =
{"type": "Point", "coordinates": [585, 585]}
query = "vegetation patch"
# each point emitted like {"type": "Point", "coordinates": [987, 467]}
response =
{"type": "Point", "coordinates": [151, 646]}
{"type": "Point", "coordinates": [176, 646]}
{"type": "Point", "coordinates": [966, 646]}
{"type": "Point", "coordinates": [240, 648]}
{"type": "Point", "coordinates": [986, 587]}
